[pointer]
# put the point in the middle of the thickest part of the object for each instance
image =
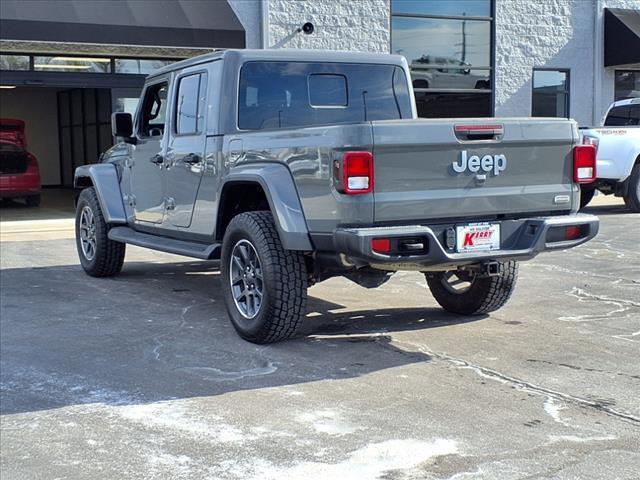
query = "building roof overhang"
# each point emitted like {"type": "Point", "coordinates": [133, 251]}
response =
{"type": "Point", "coordinates": [161, 23]}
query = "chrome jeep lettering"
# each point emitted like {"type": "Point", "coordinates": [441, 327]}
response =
{"type": "Point", "coordinates": [473, 163]}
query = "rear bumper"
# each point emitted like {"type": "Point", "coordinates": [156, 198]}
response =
{"type": "Point", "coordinates": [19, 185]}
{"type": "Point", "coordinates": [520, 240]}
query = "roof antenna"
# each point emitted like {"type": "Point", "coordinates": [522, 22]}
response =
{"type": "Point", "coordinates": [364, 103]}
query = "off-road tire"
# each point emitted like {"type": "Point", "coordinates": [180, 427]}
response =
{"type": "Point", "coordinates": [586, 195]}
{"type": "Point", "coordinates": [284, 281]}
{"type": "Point", "coordinates": [109, 255]}
{"type": "Point", "coordinates": [632, 198]}
{"type": "Point", "coordinates": [485, 295]}
{"type": "Point", "coordinates": [32, 200]}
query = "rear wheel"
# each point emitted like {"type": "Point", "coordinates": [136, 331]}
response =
{"type": "Point", "coordinates": [466, 293]}
{"type": "Point", "coordinates": [99, 256]}
{"type": "Point", "coordinates": [632, 198]}
{"type": "Point", "coordinates": [264, 285]}
{"type": "Point", "coordinates": [33, 200]}
{"type": "Point", "coordinates": [586, 195]}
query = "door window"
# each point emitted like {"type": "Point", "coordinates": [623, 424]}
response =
{"type": "Point", "coordinates": [190, 103]}
{"type": "Point", "coordinates": [154, 109]}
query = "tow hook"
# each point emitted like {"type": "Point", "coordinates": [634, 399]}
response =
{"type": "Point", "coordinates": [490, 269]}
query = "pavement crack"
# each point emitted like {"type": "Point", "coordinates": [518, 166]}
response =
{"type": "Point", "coordinates": [558, 268]}
{"type": "Point", "coordinates": [492, 374]}
{"type": "Point", "coordinates": [183, 323]}
{"type": "Point", "coordinates": [620, 305]}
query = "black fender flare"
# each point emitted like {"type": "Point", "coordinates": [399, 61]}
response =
{"type": "Point", "coordinates": [104, 179]}
{"type": "Point", "coordinates": [278, 185]}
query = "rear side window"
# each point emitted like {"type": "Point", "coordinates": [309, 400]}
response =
{"type": "Point", "coordinates": [297, 94]}
{"type": "Point", "coordinates": [619, 116]}
{"type": "Point", "coordinates": [190, 105]}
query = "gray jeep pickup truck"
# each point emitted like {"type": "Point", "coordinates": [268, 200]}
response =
{"type": "Point", "coordinates": [292, 167]}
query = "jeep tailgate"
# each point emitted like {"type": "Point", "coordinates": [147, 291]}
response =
{"type": "Point", "coordinates": [528, 167]}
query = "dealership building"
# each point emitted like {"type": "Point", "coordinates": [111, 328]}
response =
{"type": "Point", "coordinates": [66, 65]}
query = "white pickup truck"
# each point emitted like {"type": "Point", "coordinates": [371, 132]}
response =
{"type": "Point", "coordinates": [618, 154]}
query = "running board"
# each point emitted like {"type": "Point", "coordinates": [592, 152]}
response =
{"type": "Point", "coordinates": [202, 251]}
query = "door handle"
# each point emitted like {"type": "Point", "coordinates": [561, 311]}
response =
{"type": "Point", "coordinates": [191, 159]}
{"type": "Point", "coordinates": [157, 159]}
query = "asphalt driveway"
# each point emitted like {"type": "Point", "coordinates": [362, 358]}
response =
{"type": "Point", "coordinates": [142, 375]}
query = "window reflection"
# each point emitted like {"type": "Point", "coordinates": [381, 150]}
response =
{"type": "Point", "coordinates": [550, 93]}
{"type": "Point", "coordinates": [449, 54]}
{"type": "Point", "coordinates": [139, 66]}
{"type": "Point", "coordinates": [72, 64]}
{"type": "Point", "coordinates": [478, 8]}
{"type": "Point", "coordinates": [434, 41]}
{"type": "Point", "coordinates": [451, 78]}
{"type": "Point", "coordinates": [14, 62]}
{"type": "Point", "coordinates": [627, 84]}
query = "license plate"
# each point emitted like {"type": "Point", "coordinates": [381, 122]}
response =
{"type": "Point", "coordinates": [477, 237]}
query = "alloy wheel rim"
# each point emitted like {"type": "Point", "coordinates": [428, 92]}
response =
{"type": "Point", "coordinates": [88, 233]}
{"type": "Point", "coordinates": [458, 282]}
{"type": "Point", "coordinates": [245, 276]}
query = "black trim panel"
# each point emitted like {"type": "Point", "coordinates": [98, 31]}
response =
{"type": "Point", "coordinates": [30, 30]}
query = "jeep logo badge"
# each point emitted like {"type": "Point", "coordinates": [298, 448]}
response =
{"type": "Point", "coordinates": [488, 163]}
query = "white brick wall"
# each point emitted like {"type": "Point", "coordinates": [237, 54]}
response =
{"type": "Point", "coordinates": [553, 34]}
{"type": "Point", "coordinates": [545, 34]}
{"type": "Point", "coordinates": [359, 25]}
{"type": "Point", "coordinates": [529, 33]}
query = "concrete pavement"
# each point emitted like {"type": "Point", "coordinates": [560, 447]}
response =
{"type": "Point", "coordinates": [142, 376]}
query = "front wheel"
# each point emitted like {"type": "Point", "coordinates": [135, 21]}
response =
{"type": "Point", "coordinates": [466, 293]}
{"type": "Point", "coordinates": [632, 198]}
{"type": "Point", "coordinates": [99, 256]}
{"type": "Point", "coordinates": [264, 285]}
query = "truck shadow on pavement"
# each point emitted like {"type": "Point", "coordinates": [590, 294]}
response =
{"type": "Point", "coordinates": [601, 210]}
{"type": "Point", "coordinates": [159, 332]}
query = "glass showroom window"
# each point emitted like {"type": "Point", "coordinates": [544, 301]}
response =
{"type": "Point", "coordinates": [627, 84]}
{"type": "Point", "coordinates": [448, 47]}
{"type": "Point", "coordinates": [72, 64]}
{"type": "Point", "coordinates": [550, 93]}
{"type": "Point", "coordinates": [14, 62]}
{"type": "Point", "coordinates": [139, 66]}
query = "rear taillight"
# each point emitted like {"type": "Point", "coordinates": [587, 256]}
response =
{"type": "Point", "coordinates": [381, 245]}
{"type": "Point", "coordinates": [357, 172]}
{"type": "Point", "coordinates": [572, 232]}
{"type": "Point", "coordinates": [589, 140]}
{"type": "Point", "coordinates": [584, 163]}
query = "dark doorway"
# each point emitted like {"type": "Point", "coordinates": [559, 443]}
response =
{"type": "Point", "coordinates": [84, 118]}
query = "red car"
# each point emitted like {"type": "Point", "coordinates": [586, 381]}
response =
{"type": "Point", "coordinates": [19, 172]}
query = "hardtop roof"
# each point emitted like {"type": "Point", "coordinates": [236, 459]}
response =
{"type": "Point", "coordinates": [285, 55]}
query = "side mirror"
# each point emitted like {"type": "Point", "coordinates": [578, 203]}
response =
{"type": "Point", "coordinates": [122, 125]}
